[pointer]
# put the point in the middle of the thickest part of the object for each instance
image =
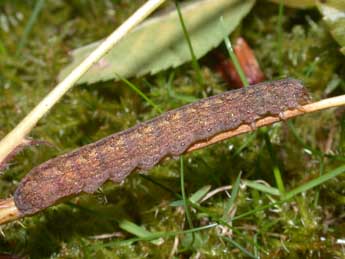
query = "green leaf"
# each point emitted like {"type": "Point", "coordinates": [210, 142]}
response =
{"type": "Point", "coordinates": [262, 187]}
{"type": "Point", "coordinates": [199, 194]}
{"type": "Point", "coordinates": [194, 198]}
{"type": "Point", "coordinates": [333, 12]}
{"type": "Point", "coordinates": [137, 231]}
{"type": "Point", "coordinates": [177, 203]}
{"type": "Point", "coordinates": [159, 43]}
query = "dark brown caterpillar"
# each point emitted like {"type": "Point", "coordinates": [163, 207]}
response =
{"type": "Point", "coordinates": [144, 145]}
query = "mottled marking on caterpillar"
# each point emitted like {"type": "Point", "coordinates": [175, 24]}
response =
{"type": "Point", "coordinates": [144, 145]}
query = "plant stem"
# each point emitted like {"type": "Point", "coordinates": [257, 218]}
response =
{"type": "Point", "coordinates": [184, 198]}
{"type": "Point", "coordinates": [190, 46]}
{"type": "Point", "coordinates": [280, 36]}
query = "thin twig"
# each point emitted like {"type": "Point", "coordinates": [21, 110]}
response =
{"type": "Point", "coordinates": [9, 212]}
{"type": "Point", "coordinates": [16, 136]}
{"type": "Point", "coordinates": [309, 108]}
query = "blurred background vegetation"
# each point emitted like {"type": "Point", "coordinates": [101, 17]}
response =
{"type": "Point", "coordinates": [308, 225]}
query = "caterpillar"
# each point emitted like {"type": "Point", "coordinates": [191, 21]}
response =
{"type": "Point", "coordinates": [146, 144]}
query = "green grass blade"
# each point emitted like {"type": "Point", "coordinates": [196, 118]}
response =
{"type": "Point", "coordinates": [279, 179]}
{"type": "Point", "coordinates": [136, 230]}
{"type": "Point", "coordinates": [173, 94]}
{"type": "Point", "coordinates": [311, 184]}
{"type": "Point", "coordinates": [262, 188]}
{"type": "Point", "coordinates": [158, 235]}
{"type": "Point", "coordinates": [139, 92]}
{"type": "Point", "coordinates": [233, 197]}
{"type": "Point", "coordinates": [183, 193]}
{"type": "Point", "coordinates": [280, 35]}
{"type": "Point", "coordinates": [276, 170]}
{"type": "Point", "coordinates": [241, 248]}
{"type": "Point", "coordinates": [199, 194]}
{"type": "Point", "coordinates": [28, 28]}
{"type": "Point", "coordinates": [190, 46]}
{"type": "Point", "coordinates": [315, 182]}
{"type": "Point", "coordinates": [257, 209]}
{"type": "Point", "coordinates": [233, 56]}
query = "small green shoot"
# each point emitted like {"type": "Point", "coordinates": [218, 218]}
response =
{"type": "Point", "coordinates": [230, 203]}
{"type": "Point", "coordinates": [28, 28]}
{"type": "Point", "coordinates": [199, 194]}
{"type": "Point", "coordinates": [276, 170]}
{"type": "Point", "coordinates": [279, 179]}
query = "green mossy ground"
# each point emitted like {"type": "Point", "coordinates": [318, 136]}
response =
{"type": "Point", "coordinates": [308, 225]}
